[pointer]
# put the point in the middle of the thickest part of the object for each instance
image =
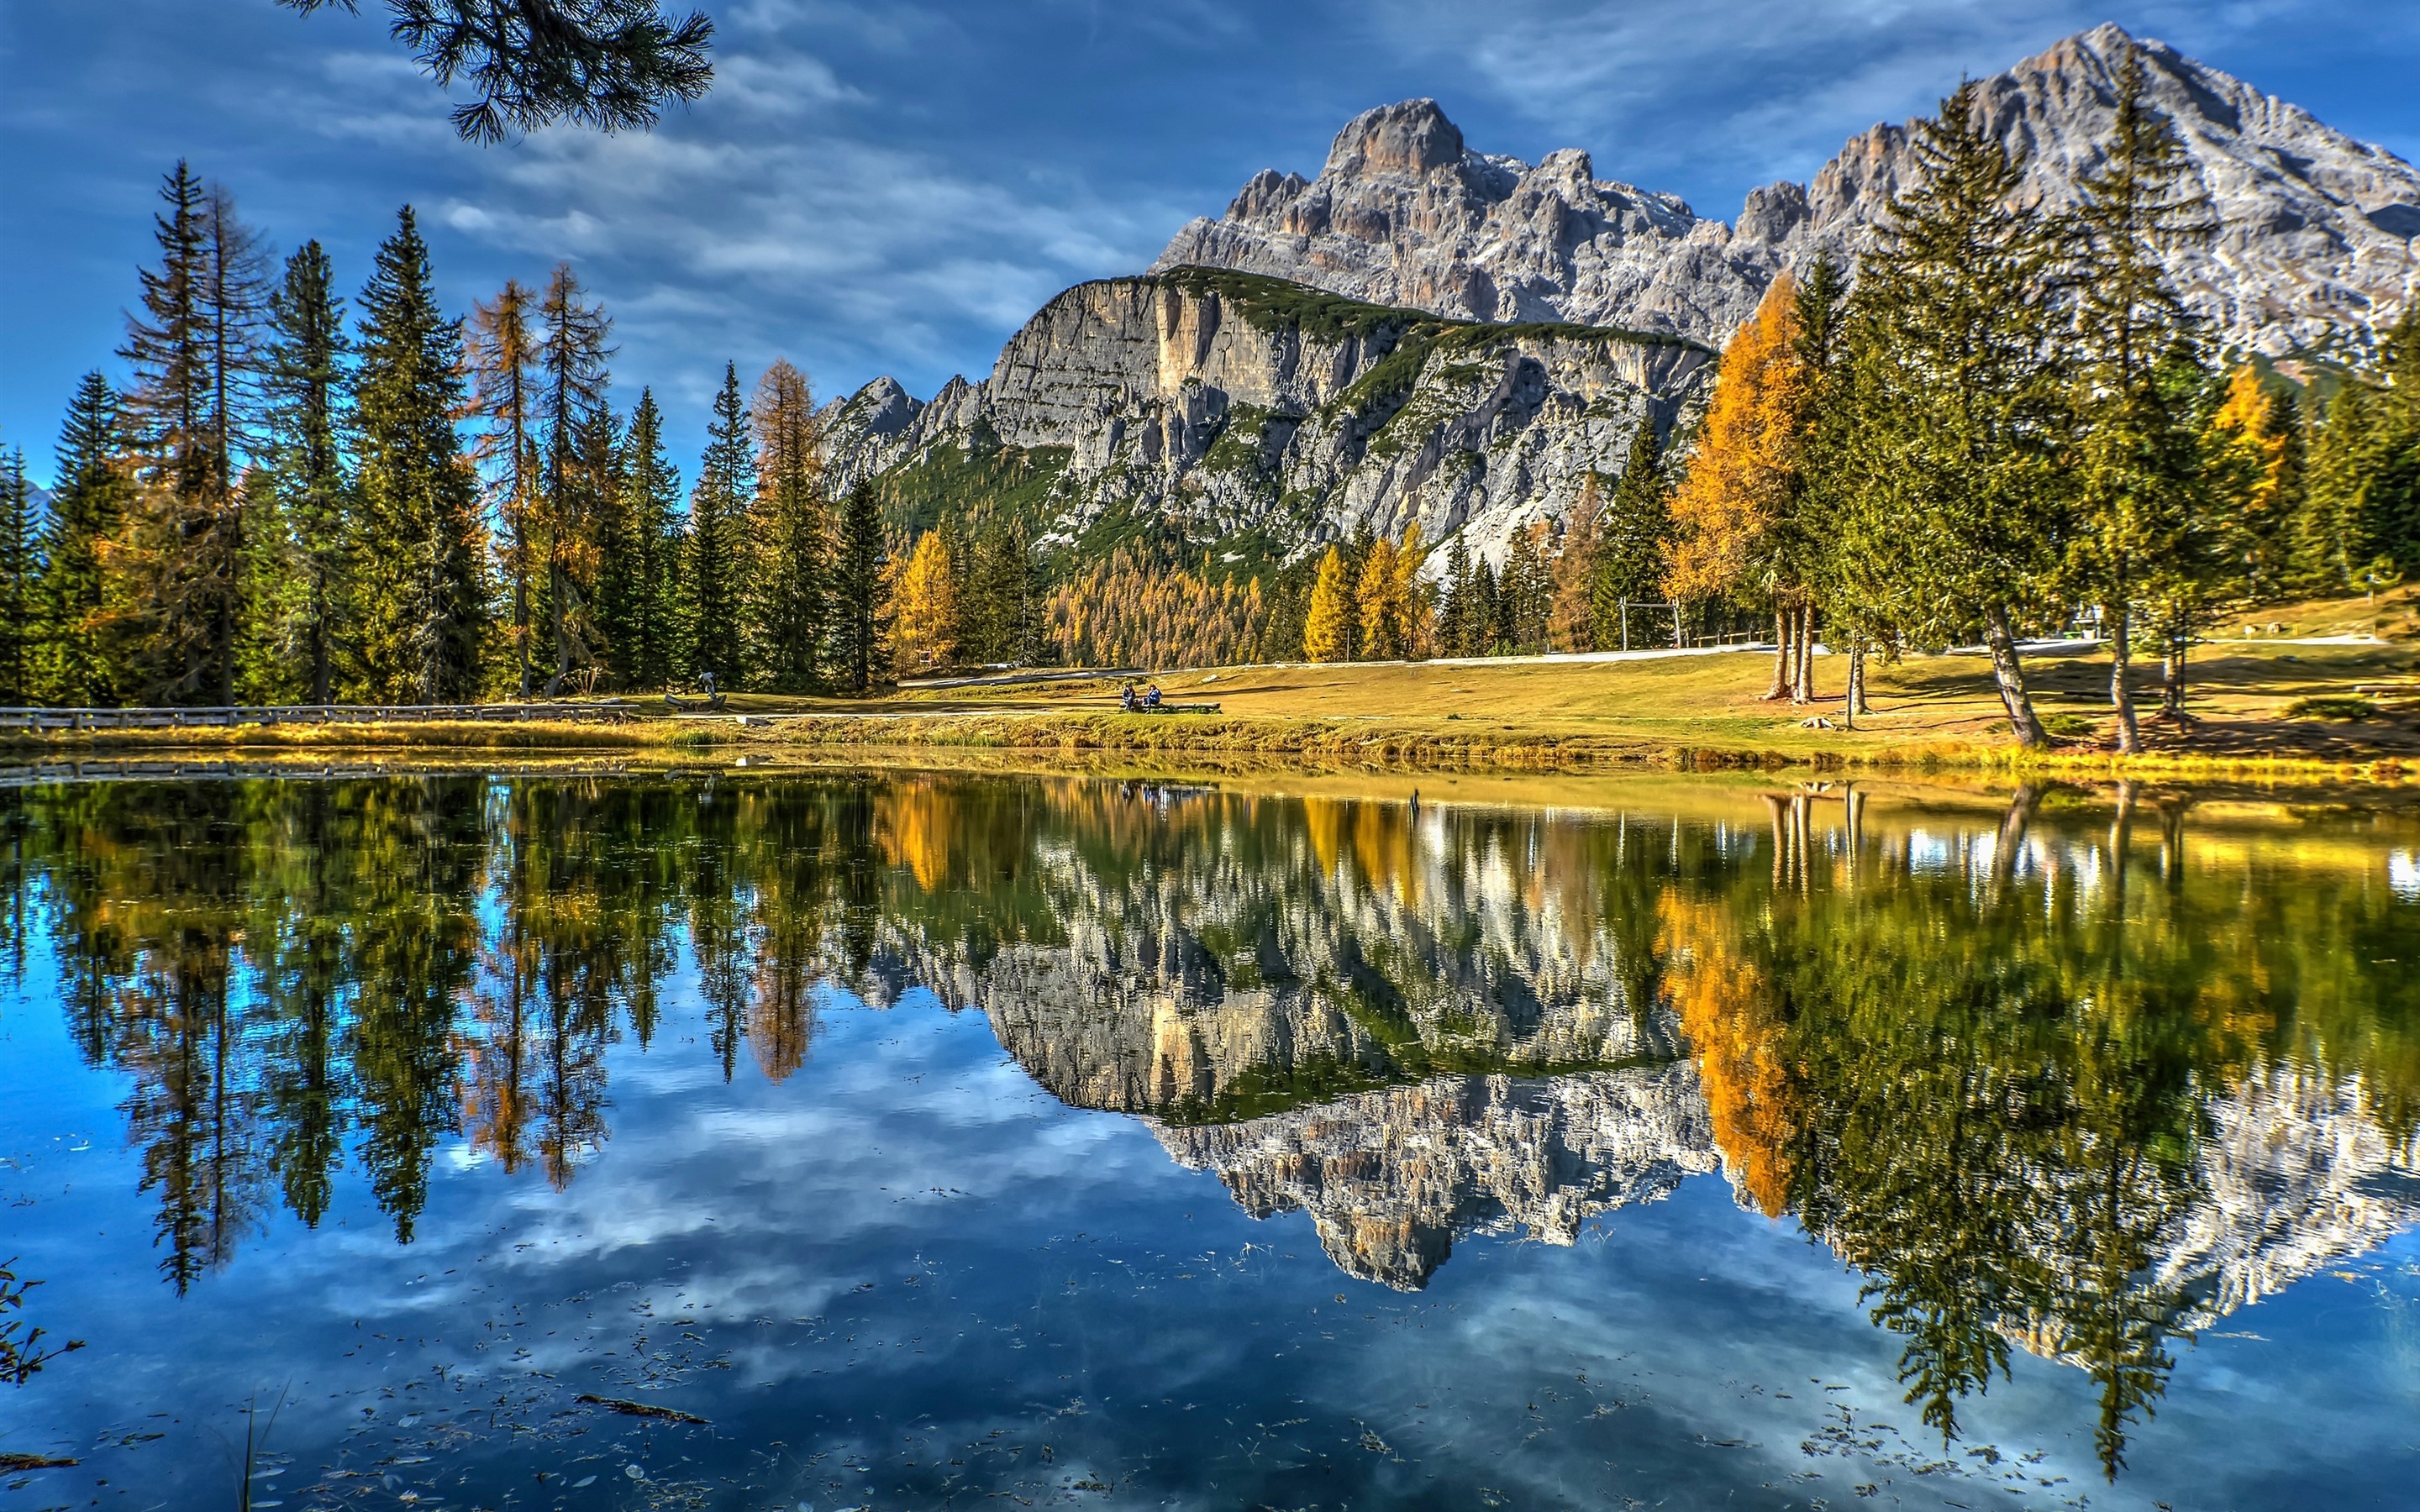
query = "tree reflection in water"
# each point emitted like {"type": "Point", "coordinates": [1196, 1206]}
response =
{"type": "Point", "coordinates": [2019, 1069]}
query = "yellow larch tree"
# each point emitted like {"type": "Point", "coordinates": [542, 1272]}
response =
{"type": "Point", "coordinates": [1734, 534]}
{"type": "Point", "coordinates": [1327, 628]}
{"type": "Point", "coordinates": [926, 606]}
{"type": "Point", "coordinates": [1376, 590]}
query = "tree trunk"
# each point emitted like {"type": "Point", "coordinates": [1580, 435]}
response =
{"type": "Point", "coordinates": [2010, 677]}
{"type": "Point", "coordinates": [1857, 704]}
{"type": "Point", "coordinates": [1806, 655]}
{"type": "Point", "coordinates": [1780, 654]}
{"type": "Point", "coordinates": [2121, 650]}
{"type": "Point", "coordinates": [2172, 675]}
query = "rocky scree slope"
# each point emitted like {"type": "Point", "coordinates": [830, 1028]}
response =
{"type": "Point", "coordinates": [2316, 237]}
{"type": "Point", "coordinates": [1223, 404]}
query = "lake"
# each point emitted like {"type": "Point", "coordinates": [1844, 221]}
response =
{"type": "Point", "coordinates": [884, 1139]}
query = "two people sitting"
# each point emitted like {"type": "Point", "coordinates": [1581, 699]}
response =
{"type": "Point", "coordinates": [1129, 702]}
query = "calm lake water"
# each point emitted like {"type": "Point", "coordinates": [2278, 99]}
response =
{"type": "Point", "coordinates": [961, 1141]}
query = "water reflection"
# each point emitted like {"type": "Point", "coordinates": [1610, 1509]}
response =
{"type": "Point", "coordinates": [2074, 1076]}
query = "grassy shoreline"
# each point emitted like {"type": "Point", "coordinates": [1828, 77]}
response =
{"type": "Point", "coordinates": [2267, 709]}
{"type": "Point", "coordinates": [1410, 745]}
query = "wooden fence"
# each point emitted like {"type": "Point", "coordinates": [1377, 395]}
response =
{"type": "Point", "coordinates": [38, 721]}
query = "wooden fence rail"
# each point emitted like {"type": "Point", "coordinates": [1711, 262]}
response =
{"type": "Point", "coordinates": [38, 721]}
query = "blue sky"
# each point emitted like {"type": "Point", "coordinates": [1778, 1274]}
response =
{"type": "Point", "coordinates": [893, 185]}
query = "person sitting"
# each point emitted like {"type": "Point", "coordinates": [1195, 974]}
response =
{"type": "Point", "coordinates": [1151, 696]}
{"type": "Point", "coordinates": [1127, 698]}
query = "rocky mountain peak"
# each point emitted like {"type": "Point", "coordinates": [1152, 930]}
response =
{"type": "Point", "coordinates": [1411, 137]}
{"type": "Point", "coordinates": [2317, 230]}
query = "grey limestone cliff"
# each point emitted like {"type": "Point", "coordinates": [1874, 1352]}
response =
{"type": "Point", "coordinates": [2315, 240]}
{"type": "Point", "coordinates": [1221, 404]}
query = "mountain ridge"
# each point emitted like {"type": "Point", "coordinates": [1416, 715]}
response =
{"type": "Point", "coordinates": [2316, 233]}
{"type": "Point", "coordinates": [1426, 333]}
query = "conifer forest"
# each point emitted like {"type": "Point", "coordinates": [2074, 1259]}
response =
{"type": "Point", "coordinates": [1999, 422]}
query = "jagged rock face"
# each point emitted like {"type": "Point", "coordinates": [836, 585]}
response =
{"type": "Point", "coordinates": [1230, 405]}
{"type": "Point", "coordinates": [1403, 214]}
{"type": "Point", "coordinates": [2297, 1173]}
{"type": "Point", "coordinates": [1392, 1179]}
{"type": "Point", "coordinates": [2316, 230]}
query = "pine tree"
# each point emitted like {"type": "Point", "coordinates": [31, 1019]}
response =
{"type": "Point", "coordinates": [300, 612]}
{"type": "Point", "coordinates": [719, 526]}
{"type": "Point", "coordinates": [1327, 628]}
{"type": "Point", "coordinates": [1960, 402]}
{"type": "Point", "coordinates": [2392, 513]}
{"type": "Point", "coordinates": [1005, 601]}
{"type": "Point", "coordinates": [87, 510]}
{"type": "Point", "coordinates": [2141, 513]}
{"type": "Point", "coordinates": [502, 344]}
{"type": "Point", "coordinates": [1525, 593]}
{"type": "Point", "coordinates": [644, 630]}
{"type": "Point", "coordinates": [173, 601]}
{"type": "Point", "coordinates": [1486, 625]}
{"type": "Point", "coordinates": [2331, 533]}
{"type": "Point", "coordinates": [20, 535]}
{"type": "Point", "coordinates": [1453, 617]}
{"type": "Point", "coordinates": [861, 627]}
{"type": "Point", "coordinates": [1637, 524]}
{"type": "Point", "coordinates": [612, 64]}
{"type": "Point", "coordinates": [788, 610]}
{"type": "Point", "coordinates": [419, 591]}
{"type": "Point", "coordinates": [575, 440]}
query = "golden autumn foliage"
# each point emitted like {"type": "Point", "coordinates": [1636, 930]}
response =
{"type": "Point", "coordinates": [2251, 426]}
{"type": "Point", "coordinates": [1327, 628]}
{"type": "Point", "coordinates": [1729, 1012]}
{"type": "Point", "coordinates": [1730, 511]}
{"type": "Point", "coordinates": [1397, 619]}
{"type": "Point", "coordinates": [926, 602]}
{"type": "Point", "coordinates": [915, 821]}
{"type": "Point", "coordinates": [1129, 611]}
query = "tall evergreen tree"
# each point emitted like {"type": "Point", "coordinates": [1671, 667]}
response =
{"type": "Point", "coordinates": [862, 611]}
{"type": "Point", "coordinates": [787, 608]}
{"type": "Point", "coordinates": [87, 509]}
{"type": "Point", "coordinates": [2143, 515]}
{"type": "Point", "coordinates": [719, 526]}
{"type": "Point", "coordinates": [1004, 601]}
{"type": "Point", "coordinates": [1637, 522]}
{"type": "Point", "coordinates": [502, 343]}
{"type": "Point", "coordinates": [573, 375]}
{"type": "Point", "coordinates": [420, 592]}
{"type": "Point", "coordinates": [20, 535]}
{"type": "Point", "coordinates": [307, 382]}
{"type": "Point", "coordinates": [1843, 574]}
{"type": "Point", "coordinates": [642, 587]}
{"type": "Point", "coordinates": [1453, 615]}
{"type": "Point", "coordinates": [2393, 513]}
{"type": "Point", "coordinates": [2331, 539]}
{"type": "Point", "coordinates": [1960, 400]}
{"type": "Point", "coordinates": [174, 604]}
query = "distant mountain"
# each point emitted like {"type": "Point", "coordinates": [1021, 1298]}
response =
{"type": "Point", "coordinates": [1236, 409]}
{"type": "Point", "coordinates": [1428, 333]}
{"type": "Point", "coordinates": [2317, 230]}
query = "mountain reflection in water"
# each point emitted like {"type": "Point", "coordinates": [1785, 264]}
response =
{"type": "Point", "coordinates": [2071, 1076]}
